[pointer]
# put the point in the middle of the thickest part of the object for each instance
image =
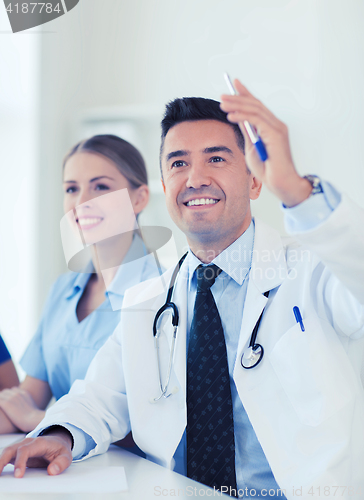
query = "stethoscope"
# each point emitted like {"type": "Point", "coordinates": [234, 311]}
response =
{"type": "Point", "coordinates": [253, 355]}
{"type": "Point", "coordinates": [250, 358]}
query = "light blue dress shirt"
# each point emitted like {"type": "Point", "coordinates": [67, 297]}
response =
{"type": "Point", "coordinates": [229, 291]}
{"type": "Point", "coordinates": [62, 347]}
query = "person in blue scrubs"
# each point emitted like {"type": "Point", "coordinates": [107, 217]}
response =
{"type": "Point", "coordinates": [8, 375]}
{"type": "Point", "coordinates": [83, 308]}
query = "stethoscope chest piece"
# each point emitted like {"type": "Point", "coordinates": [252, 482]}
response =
{"type": "Point", "coordinates": [252, 356]}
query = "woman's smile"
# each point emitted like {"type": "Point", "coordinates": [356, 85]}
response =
{"type": "Point", "coordinates": [88, 222]}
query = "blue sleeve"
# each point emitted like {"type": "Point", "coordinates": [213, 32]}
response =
{"type": "Point", "coordinates": [83, 443]}
{"type": "Point", "coordinates": [4, 353]}
{"type": "Point", "coordinates": [311, 212]}
{"type": "Point", "coordinates": [32, 361]}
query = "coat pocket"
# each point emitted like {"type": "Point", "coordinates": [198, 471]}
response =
{"type": "Point", "coordinates": [310, 367]}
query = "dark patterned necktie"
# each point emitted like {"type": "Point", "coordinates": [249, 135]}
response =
{"type": "Point", "coordinates": [210, 424]}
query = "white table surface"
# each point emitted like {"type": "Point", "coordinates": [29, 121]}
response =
{"type": "Point", "coordinates": [146, 481]}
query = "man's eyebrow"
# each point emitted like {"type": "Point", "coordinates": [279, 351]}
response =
{"type": "Point", "coordinates": [179, 152]}
{"type": "Point", "coordinates": [218, 149]}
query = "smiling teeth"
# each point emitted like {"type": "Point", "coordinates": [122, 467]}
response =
{"type": "Point", "coordinates": [202, 201]}
{"type": "Point", "coordinates": [88, 222]}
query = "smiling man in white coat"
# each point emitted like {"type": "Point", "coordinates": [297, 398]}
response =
{"type": "Point", "coordinates": [293, 423]}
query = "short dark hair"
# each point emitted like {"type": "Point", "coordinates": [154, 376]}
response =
{"type": "Point", "coordinates": [124, 155]}
{"type": "Point", "coordinates": [193, 109]}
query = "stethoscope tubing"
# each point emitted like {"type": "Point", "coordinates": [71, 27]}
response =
{"type": "Point", "coordinates": [253, 337]}
{"type": "Point", "coordinates": [253, 348]}
{"type": "Point", "coordinates": [156, 333]}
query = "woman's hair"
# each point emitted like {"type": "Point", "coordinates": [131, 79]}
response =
{"type": "Point", "coordinates": [124, 156]}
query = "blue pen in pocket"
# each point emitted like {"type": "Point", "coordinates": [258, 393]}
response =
{"type": "Point", "coordinates": [297, 315]}
{"type": "Point", "coordinates": [251, 131]}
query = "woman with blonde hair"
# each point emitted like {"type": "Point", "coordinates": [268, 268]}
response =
{"type": "Point", "coordinates": [105, 189]}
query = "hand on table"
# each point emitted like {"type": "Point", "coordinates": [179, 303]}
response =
{"type": "Point", "coordinates": [52, 451]}
{"type": "Point", "coordinates": [20, 408]}
{"type": "Point", "coordinates": [278, 172]}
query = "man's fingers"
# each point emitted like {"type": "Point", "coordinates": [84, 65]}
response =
{"type": "Point", "coordinates": [240, 108]}
{"type": "Point", "coordinates": [59, 464]}
{"type": "Point", "coordinates": [38, 452]}
{"type": "Point", "coordinates": [6, 458]}
{"type": "Point", "coordinates": [33, 452]}
{"type": "Point", "coordinates": [9, 454]}
{"type": "Point", "coordinates": [241, 88]}
{"type": "Point", "coordinates": [250, 107]}
{"type": "Point", "coordinates": [21, 459]}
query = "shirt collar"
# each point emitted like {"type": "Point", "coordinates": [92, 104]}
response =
{"type": "Point", "coordinates": [80, 281]}
{"type": "Point", "coordinates": [128, 273]}
{"type": "Point", "coordinates": [235, 260]}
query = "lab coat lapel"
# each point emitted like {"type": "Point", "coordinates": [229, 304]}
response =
{"type": "Point", "coordinates": [158, 426]}
{"type": "Point", "coordinates": [268, 270]}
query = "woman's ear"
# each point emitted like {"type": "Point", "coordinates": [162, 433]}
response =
{"type": "Point", "coordinates": [140, 198]}
{"type": "Point", "coordinates": [255, 188]}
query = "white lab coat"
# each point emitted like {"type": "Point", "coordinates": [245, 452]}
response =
{"type": "Point", "coordinates": [304, 400]}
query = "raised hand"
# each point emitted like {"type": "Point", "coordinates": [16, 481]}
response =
{"type": "Point", "coordinates": [278, 172]}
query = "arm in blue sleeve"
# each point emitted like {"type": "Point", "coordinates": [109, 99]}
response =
{"type": "Point", "coordinates": [312, 212]}
{"type": "Point", "coordinates": [32, 361]}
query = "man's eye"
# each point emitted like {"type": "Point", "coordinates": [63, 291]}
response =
{"type": "Point", "coordinates": [178, 163]}
{"type": "Point", "coordinates": [71, 189]}
{"type": "Point", "coordinates": [101, 187]}
{"type": "Point", "coordinates": [216, 159]}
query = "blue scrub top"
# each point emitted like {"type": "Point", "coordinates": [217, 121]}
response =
{"type": "Point", "coordinates": [62, 347]}
{"type": "Point", "coordinates": [4, 353]}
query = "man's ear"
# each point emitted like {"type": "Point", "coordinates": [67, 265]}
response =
{"type": "Point", "coordinates": [140, 198]}
{"type": "Point", "coordinates": [255, 188]}
{"type": "Point", "coordinates": [164, 187]}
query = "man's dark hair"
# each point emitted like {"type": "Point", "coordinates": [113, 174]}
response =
{"type": "Point", "coordinates": [193, 109]}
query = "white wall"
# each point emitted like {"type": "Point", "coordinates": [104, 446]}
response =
{"type": "Point", "coordinates": [19, 69]}
{"type": "Point", "coordinates": [303, 58]}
